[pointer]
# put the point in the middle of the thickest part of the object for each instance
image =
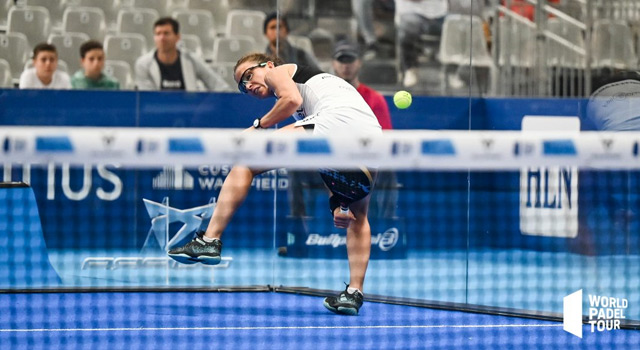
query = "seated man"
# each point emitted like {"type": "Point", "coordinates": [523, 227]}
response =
{"type": "Point", "coordinates": [277, 37]}
{"type": "Point", "coordinates": [45, 73]}
{"type": "Point", "coordinates": [414, 18]}
{"type": "Point", "coordinates": [91, 75]}
{"type": "Point", "coordinates": [167, 68]}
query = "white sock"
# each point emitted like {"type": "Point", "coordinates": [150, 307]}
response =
{"type": "Point", "coordinates": [207, 239]}
{"type": "Point", "coordinates": [353, 290]}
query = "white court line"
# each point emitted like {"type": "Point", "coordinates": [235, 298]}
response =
{"type": "Point", "coordinates": [145, 329]}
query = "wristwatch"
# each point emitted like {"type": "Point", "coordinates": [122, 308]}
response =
{"type": "Point", "coordinates": [256, 124]}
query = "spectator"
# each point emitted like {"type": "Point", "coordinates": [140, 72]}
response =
{"type": "Point", "coordinates": [347, 64]}
{"type": "Point", "coordinates": [281, 47]}
{"type": "Point", "coordinates": [91, 75]}
{"type": "Point", "coordinates": [167, 68]}
{"type": "Point", "coordinates": [44, 74]}
{"type": "Point", "coordinates": [276, 35]}
{"type": "Point", "coordinates": [363, 12]}
{"type": "Point", "coordinates": [414, 18]}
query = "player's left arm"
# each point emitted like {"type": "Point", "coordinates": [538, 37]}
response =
{"type": "Point", "coordinates": [289, 98]}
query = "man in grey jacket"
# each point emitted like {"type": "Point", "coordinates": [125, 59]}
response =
{"type": "Point", "coordinates": [167, 68]}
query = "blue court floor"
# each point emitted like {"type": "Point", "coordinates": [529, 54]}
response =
{"type": "Point", "coordinates": [525, 280]}
{"type": "Point", "coordinates": [266, 320]}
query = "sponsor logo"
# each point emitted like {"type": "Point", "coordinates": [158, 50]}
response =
{"type": "Point", "coordinates": [173, 178]}
{"type": "Point", "coordinates": [605, 313]}
{"type": "Point", "coordinates": [385, 241]}
{"type": "Point", "coordinates": [365, 149]}
{"type": "Point", "coordinates": [523, 148]}
{"type": "Point", "coordinates": [107, 147]}
{"type": "Point", "coordinates": [401, 148]}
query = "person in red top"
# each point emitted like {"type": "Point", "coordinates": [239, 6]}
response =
{"type": "Point", "coordinates": [346, 64]}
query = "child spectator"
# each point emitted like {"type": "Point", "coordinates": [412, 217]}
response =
{"type": "Point", "coordinates": [91, 75]}
{"type": "Point", "coordinates": [44, 73]}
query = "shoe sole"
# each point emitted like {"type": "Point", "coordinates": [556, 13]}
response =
{"type": "Point", "coordinates": [341, 310]}
{"type": "Point", "coordinates": [186, 259]}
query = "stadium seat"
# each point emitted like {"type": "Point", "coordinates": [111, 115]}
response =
{"type": "Point", "coordinates": [109, 8]}
{"type": "Point", "coordinates": [559, 55]}
{"type": "Point", "coordinates": [302, 42]}
{"type": "Point", "coordinates": [200, 23]}
{"type": "Point", "coordinates": [341, 27]}
{"type": "Point", "coordinates": [161, 6]}
{"type": "Point", "coordinates": [138, 21]}
{"type": "Point", "coordinates": [231, 49]}
{"type": "Point", "coordinates": [516, 44]}
{"type": "Point", "coordinates": [88, 20]}
{"type": "Point", "coordinates": [379, 73]}
{"type": "Point", "coordinates": [190, 43]}
{"type": "Point", "coordinates": [68, 46]}
{"type": "Point", "coordinates": [218, 8]}
{"type": "Point", "coordinates": [121, 71]}
{"type": "Point", "coordinates": [126, 47]}
{"type": "Point", "coordinates": [55, 8]}
{"type": "Point", "coordinates": [6, 80]}
{"type": "Point", "coordinates": [462, 44]}
{"type": "Point", "coordinates": [323, 42]}
{"type": "Point", "coordinates": [32, 21]}
{"type": "Point", "coordinates": [225, 69]}
{"type": "Point", "coordinates": [5, 6]}
{"type": "Point", "coordinates": [245, 22]}
{"type": "Point", "coordinates": [612, 45]}
{"type": "Point", "coordinates": [14, 48]}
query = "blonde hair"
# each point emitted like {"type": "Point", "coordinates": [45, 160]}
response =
{"type": "Point", "coordinates": [257, 57]}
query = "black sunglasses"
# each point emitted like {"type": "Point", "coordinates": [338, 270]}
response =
{"type": "Point", "coordinates": [242, 83]}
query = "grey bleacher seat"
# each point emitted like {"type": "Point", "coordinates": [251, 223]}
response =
{"type": "Point", "coordinates": [560, 55]}
{"type": "Point", "coordinates": [218, 8]}
{"type": "Point", "coordinates": [161, 6]}
{"type": "Point", "coordinates": [379, 73]}
{"type": "Point", "coordinates": [231, 49]}
{"type": "Point", "coordinates": [68, 47]}
{"type": "Point", "coordinates": [190, 43]}
{"type": "Point", "coordinates": [323, 42]}
{"type": "Point", "coordinates": [612, 45]}
{"type": "Point", "coordinates": [110, 8]}
{"type": "Point", "coordinates": [200, 23]}
{"type": "Point", "coordinates": [88, 20]}
{"type": "Point", "coordinates": [516, 44]}
{"type": "Point", "coordinates": [178, 5]}
{"type": "Point", "coordinates": [55, 8]}
{"type": "Point", "coordinates": [341, 27]}
{"type": "Point", "coordinates": [225, 69]}
{"type": "Point", "coordinates": [467, 7]}
{"type": "Point", "coordinates": [126, 47]}
{"type": "Point", "coordinates": [302, 42]}
{"type": "Point", "coordinates": [266, 6]}
{"type": "Point", "coordinates": [32, 21]}
{"type": "Point", "coordinates": [245, 22]}
{"type": "Point", "coordinates": [121, 71]}
{"type": "Point", "coordinates": [14, 48]}
{"type": "Point", "coordinates": [462, 44]}
{"type": "Point", "coordinates": [137, 20]}
{"type": "Point", "coordinates": [5, 6]}
{"type": "Point", "coordinates": [6, 79]}
{"type": "Point", "coordinates": [333, 9]}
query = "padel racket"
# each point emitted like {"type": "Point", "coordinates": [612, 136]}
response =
{"type": "Point", "coordinates": [349, 185]}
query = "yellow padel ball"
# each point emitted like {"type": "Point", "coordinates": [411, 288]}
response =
{"type": "Point", "coordinates": [402, 99]}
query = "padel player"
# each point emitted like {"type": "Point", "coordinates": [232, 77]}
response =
{"type": "Point", "coordinates": [324, 104]}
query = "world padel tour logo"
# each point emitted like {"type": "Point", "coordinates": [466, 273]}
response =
{"type": "Point", "coordinates": [604, 313]}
